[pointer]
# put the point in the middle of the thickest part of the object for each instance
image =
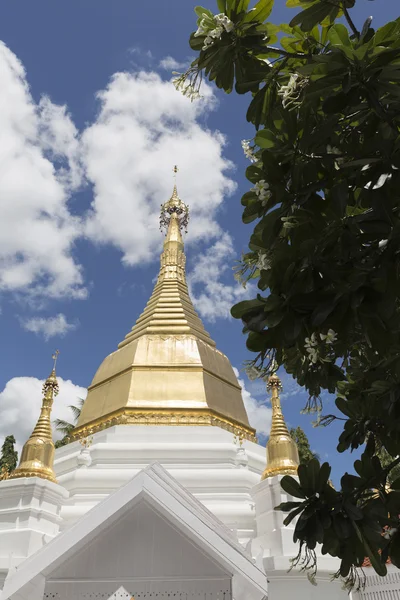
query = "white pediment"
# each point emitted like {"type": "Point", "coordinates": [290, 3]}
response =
{"type": "Point", "coordinates": [150, 535]}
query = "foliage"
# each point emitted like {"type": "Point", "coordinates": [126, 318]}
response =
{"type": "Point", "coordinates": [9, 456]}
{"type": "Point", "coordinates": [324, 196]}
{"type": "Point", "coordinates": [303, 445]}
{"type": "Point", "coordinates": [385, 460]}
{"type": "Point", "coordinates": [65, 427]}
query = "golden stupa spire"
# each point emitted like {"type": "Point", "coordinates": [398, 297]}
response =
{"type": "Point", "coordinates": [37, 455]}
{"type": "Point", "coordinates": [170, 310]}
{"type": "Point", "coordinates": [167, 370]}
{"type": "Point", "coordinates": [282, 453]}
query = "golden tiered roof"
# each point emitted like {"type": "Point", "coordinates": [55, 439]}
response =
{"type": "Point", "coordinates": [167, 370]}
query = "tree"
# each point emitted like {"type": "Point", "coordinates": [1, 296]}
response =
{"type": "Point", "coordinates": [385, 460]}
{"type": "Point", "coordinates": [324, 193]}
{"type": "Point", "coordinates": [9, 456]}
{"type": "Point", "coordinates": [65, 427]}
{"type": "Point", "coordinates": [303, 445]}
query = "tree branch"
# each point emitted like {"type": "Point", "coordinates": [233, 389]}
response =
{"type": "Point", "coordinates": [285, 53]}
{"type": "Point", "coordinates": [350, 21]}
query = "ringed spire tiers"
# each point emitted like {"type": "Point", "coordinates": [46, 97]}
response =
{"type": "Point", "coordinates": [37, 456]}
{"type": "Point", "coordinates": [167, 370]}
{"type": "Point", "coordinates": [282, 453]}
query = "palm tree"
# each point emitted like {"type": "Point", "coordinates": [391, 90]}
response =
{"type": "Point", "coordinates": [65, 427]}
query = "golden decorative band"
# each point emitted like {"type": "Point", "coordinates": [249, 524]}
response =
{"type": "Point", "coordinates": [36, 472]}
{"type": "Point", "coordinates": [278, 470]}
{"type": "Point", "coordinates": [139, 416]}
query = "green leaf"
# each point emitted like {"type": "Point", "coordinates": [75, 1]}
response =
{"type": "Point", "coordinates": [246, 306]}
{"type": "Point", "coordinates": [322, 312]}
{"type": "Point", "coordinates": [338, 35]}
{"type": "Point", "coordinates": [335, 103]}
{"type": "Point", "coordinates": [292, 487]}
{"type": "Point", "coordinates": [200, 11]}
{"type": "Point", "coordinates": [375, 559]}
{"type": "Point", "coordinates": [265, 138]}
{"type": "Point", "coordinates": [221, 6]}
{"type": "Point", "coordinates": [394, 551]}
{"type": "Point", "coordinates": [313, 15]}
{"type": "Point", "coordinates": [292, 515]}
{"type": "Point", "coordinates": [255, 342]}
{"type": "Point", "coordinates": [323, 476]}
{"type": "Point", "coordinates": [260, 12]}
{"type": "Point", "coordinates": [288, 506]}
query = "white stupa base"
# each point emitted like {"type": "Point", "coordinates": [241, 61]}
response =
{"type": "Point", "coordinates": [29, 518]}
{"type": "Point", "coordinates": [206, 460]}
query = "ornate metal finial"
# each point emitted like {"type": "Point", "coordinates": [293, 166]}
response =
{"type": "Point", "coordinates": [51, 383]}
{"type": "Point", "coordinates": [174, 206]}
{"type": "Point", "coordinates": [274, 383]}
{"type": "Point", "coordinates": [54, 357]}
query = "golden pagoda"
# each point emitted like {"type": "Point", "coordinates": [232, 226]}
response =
{"type": "Point", "coordinates": [167, 370]}
{"type": "Point", "coordinates": [37, 455]}
{"type": "Point", "coordinates": [282, 453]}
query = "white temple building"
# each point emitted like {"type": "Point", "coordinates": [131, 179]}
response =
{"type": "Point", "coordinates": [163, 491]}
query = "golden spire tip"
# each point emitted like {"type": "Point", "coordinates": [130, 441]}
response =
{"type": "Point", "coordinates": [54, 357]}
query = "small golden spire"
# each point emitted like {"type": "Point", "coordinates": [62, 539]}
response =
{"type": "Point", "coordinates": [282, 453]}
{"type": "Point", "coordinates": [37, 455]}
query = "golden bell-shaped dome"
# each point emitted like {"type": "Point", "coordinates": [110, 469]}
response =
{"type": "Point", "coordinates": [167, 370]}
{"type": "Point", "coordinates": [282, 453]}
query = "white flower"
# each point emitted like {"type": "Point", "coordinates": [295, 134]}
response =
{"type": "Point", "coordinates": [213, 28]}
{"type": "Point", "coordinates": [389, 533]}
{"type": "Point", "coordinates": [265, 198]}
{"type": "Point", "coordinates": [263, 263]}
{"type": "Point", "coordinates": [217, 32]}
{"type": "Point", "coordinates": [248, 151]}
{"type": "Point", "coordinates": [223, 20]}
{"type": "Point", "coordinates": [202, 28]}
{"type": "Point", "coordinates": [312, 354]}
{"type": "Point", "coordinates": [261, 188]}
{"type": "Point", "coordinates": [207, 42]}
{"type": "Point", "coordinates": [186, 89]}
{"type": "Point", "coordinates": [252, 372]}
{"type": "Point", "coordinates": [310, 342]}
{"type": "Point", "coordinates": [290, 93]}
{"type": "Point", "coordinates": [330, 337]}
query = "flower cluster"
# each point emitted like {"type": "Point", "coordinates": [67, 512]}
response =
{"type": "Point", "coordinates": [312, 345]}
{"type": "Point", "coordinates": [187, 89]}
{"type": "Point", "coordinates": [252, 372]}
{"type": "Point", "coordinates": [248, 150]}
{"type": "Point", "coordinates": [263, 263]}
{"type": "Point", "coordinates": [291, 92]}
{"type": "Point", "coordinates": [213, 28]}
{"type": "Point", "coordinates": [261, 189]}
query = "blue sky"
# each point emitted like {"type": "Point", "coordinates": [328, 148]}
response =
{"type": "Point", "coordinates": [91, 130]}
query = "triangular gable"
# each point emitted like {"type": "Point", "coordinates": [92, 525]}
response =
{"type": "Point", "coordinates": [175, 504]}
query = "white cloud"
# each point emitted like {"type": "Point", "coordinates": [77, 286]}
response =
{"type": "Point", "coordinates": [49, 327]}
{"type": "Point", "coordinates": [215, 298]}
{"type": "Point", "coordinates": [20, 404]}
{"type": "Point", "coordinates": [170, 64]}
{"type": "Point", "coordinates": [145, 127]}
{"type": "Point", "coordinates": [37, 232]}
{"type": "Point", "coordinates": [258, 412]}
